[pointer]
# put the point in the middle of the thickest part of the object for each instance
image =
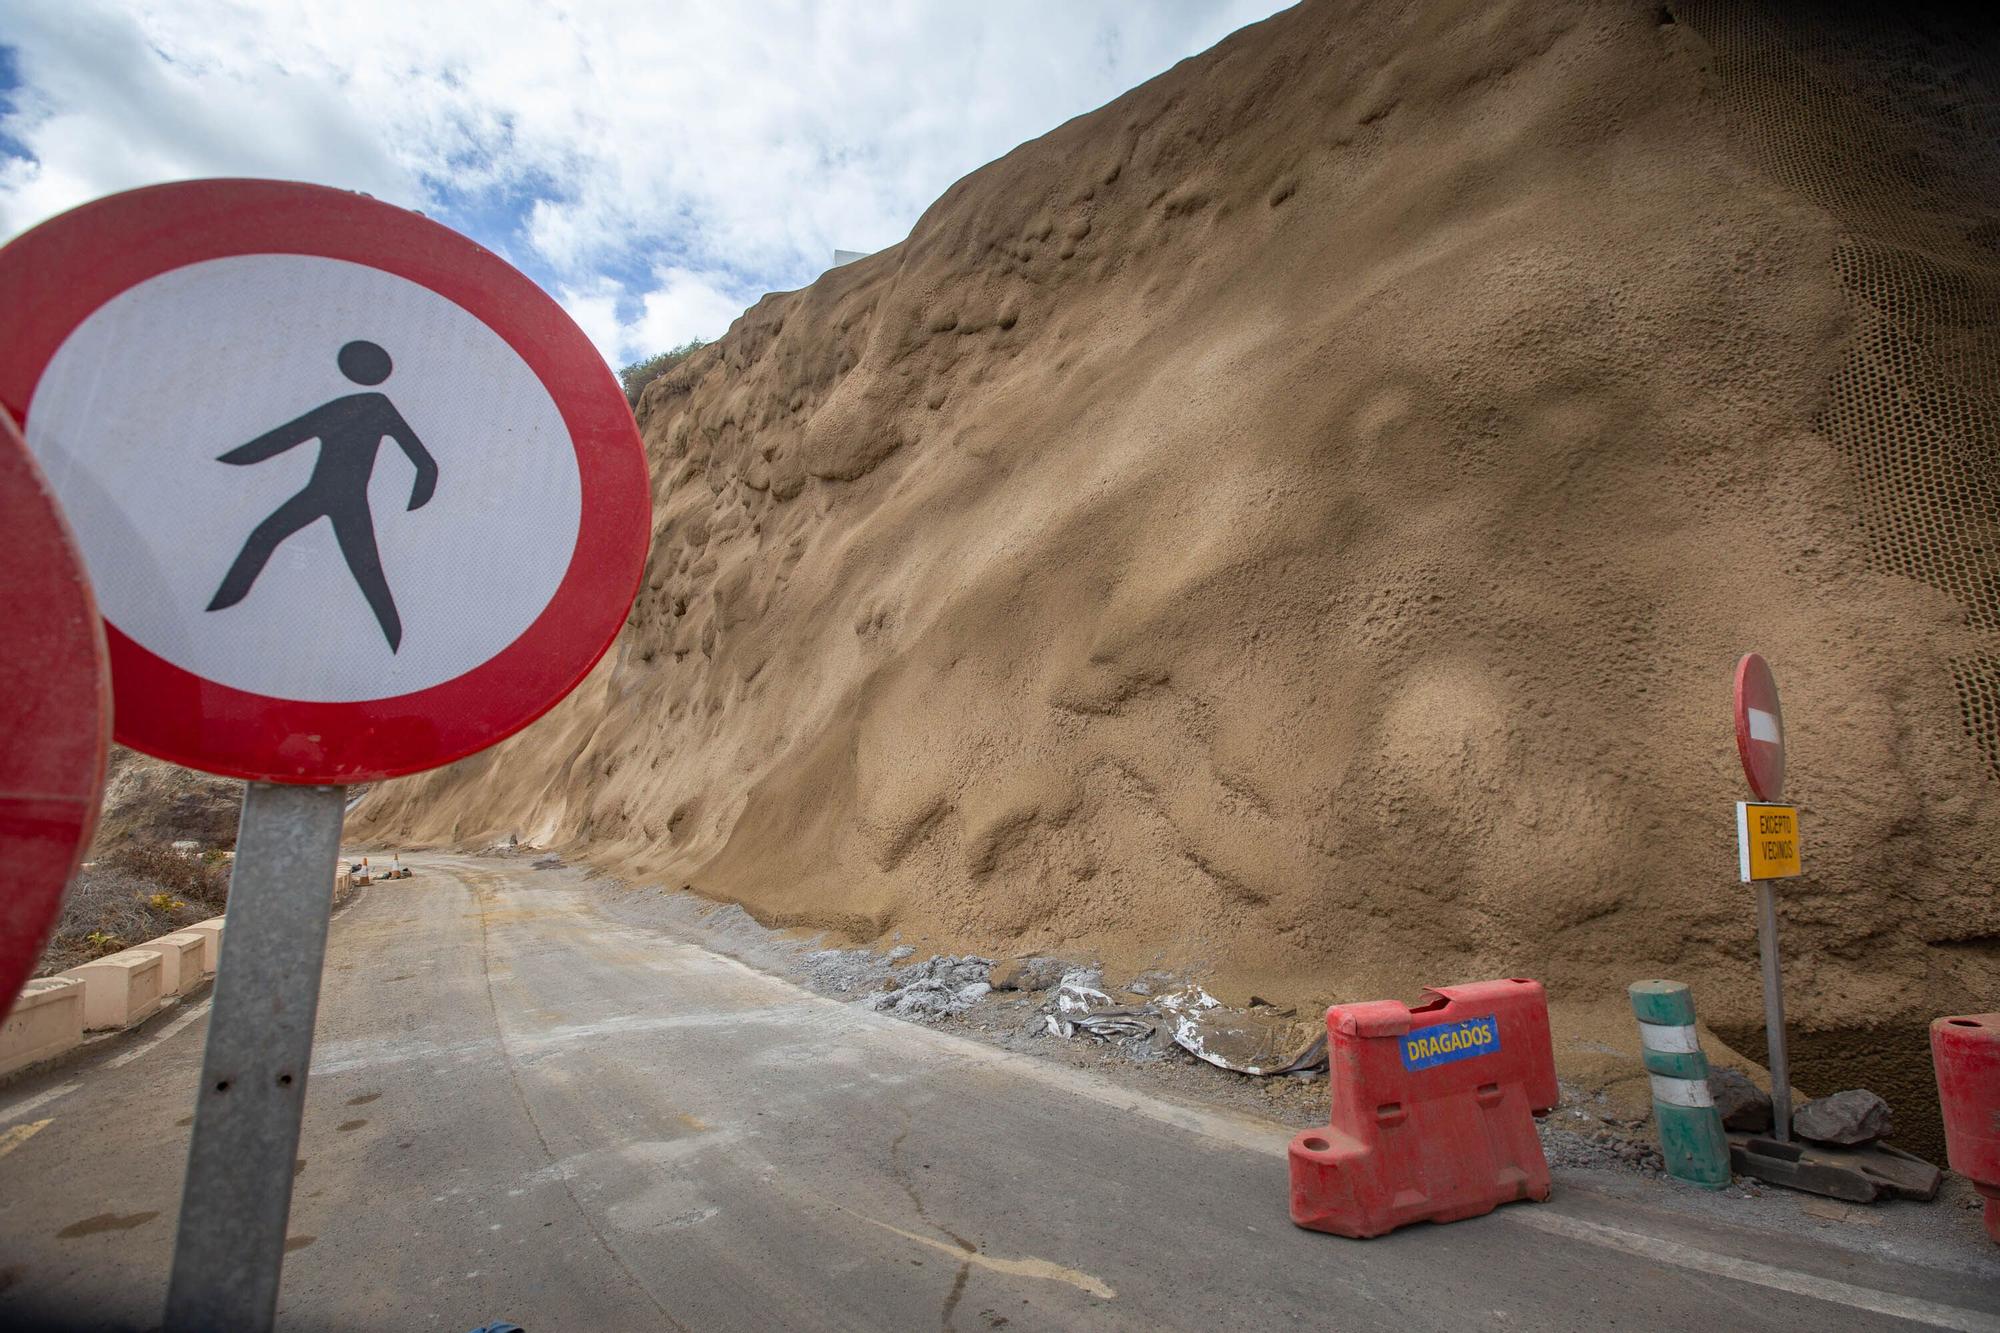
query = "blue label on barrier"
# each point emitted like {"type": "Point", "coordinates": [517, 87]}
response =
{"type": "Point", "coordinates": [1456, 1041]}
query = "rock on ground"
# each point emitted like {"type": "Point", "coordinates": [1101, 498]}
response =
{"type": "Point", "coordinates": [1847, 1118]}
{"type": "Point", "coordinates": [1744, 1105]}
{"type": "Point", "coordinates": [935, 988]}
{"type": "Point", "coordinates": [1029, 974]}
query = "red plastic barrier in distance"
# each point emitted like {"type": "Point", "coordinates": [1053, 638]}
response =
{"type": "Point", "coordinates": [1965, 1053]}
{"type": "Point", "coordinates": [1434, 1110]}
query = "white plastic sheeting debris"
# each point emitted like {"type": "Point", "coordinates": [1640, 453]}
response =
{"type": "Point", "coordinates": [1077, 1007]}
{"type": "Point", "coordinates": [1243, 1041]}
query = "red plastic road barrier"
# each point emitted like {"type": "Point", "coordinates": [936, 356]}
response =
{"type": "Point", "coordinates": [1965, 1052]}
{"type": "Point", "coordinates": [55, 713]}
{"type": "Point", "coordinates": [1433, 1110]}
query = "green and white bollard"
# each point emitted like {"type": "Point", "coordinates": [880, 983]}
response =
{"type": "Point", "coordinates": [1691, 1136]}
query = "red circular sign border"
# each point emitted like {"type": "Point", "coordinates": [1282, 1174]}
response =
{"type": "Point", "coordinates": [50, 806]}
{"type": "Point", "coordinates": [1747, 664]}
{"type": "Point", "coordinates": [63, 270]}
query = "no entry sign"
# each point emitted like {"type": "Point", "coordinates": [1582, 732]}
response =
{"type": "Point", "coordinates": [1760, 728]}
{"type": "Point", "coordinates": [55, 713]}
{"type": "Point", "coordinates": [357, 497]}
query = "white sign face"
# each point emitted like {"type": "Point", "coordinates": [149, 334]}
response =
{"type": "Point", "coordinates": [307, 479]}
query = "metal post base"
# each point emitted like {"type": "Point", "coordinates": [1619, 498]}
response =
{"type": "Point", "coordinates": [238, 1195]}
{"type": "Point", "coordinates": [1774, 1013]}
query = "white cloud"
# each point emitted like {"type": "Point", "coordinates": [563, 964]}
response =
{"type": "Point", "coordinates": [595, 310]}
{"type": "Point", "coordinates": [650, 162]}
{"type": "Point", "coordinates": [677, 305]}
{"type": "Point", "coordinates": [682, 306]}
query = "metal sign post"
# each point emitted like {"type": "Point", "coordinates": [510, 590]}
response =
{"type": "Point", "coordinates": [1774, 1013]}
{"type": "Point", "coordinates": [250, 320]}
{"type": "Point", "coordinates": [1767, 843]}
{"type": "Point", "coordinates": [231, 1244]}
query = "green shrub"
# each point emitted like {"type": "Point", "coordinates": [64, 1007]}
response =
{"type": "Point", "coordinates": [641, 373]}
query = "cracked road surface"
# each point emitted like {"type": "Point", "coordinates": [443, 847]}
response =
{"type": "Point", "coordinates": [520, 1109]}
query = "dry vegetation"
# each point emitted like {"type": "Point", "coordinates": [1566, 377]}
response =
{"type": "Point", "coordinates": [136, 892]}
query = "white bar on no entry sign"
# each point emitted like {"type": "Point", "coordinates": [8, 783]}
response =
{"type": "Point", "coordinates": [1764, 727]}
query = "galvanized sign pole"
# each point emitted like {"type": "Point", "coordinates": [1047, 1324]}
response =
{"type": "Point", "coordinates": [231, 1244]}
{"type": "Point", "coordinates": [236, 649]}
{"type": "Point", "coordinates": [1774, 1012]}
{"type": "Point", "coordinates": [1767, 845]}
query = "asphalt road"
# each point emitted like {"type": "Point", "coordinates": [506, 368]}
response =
{"type": "Point", "coordinates": [519, 1109]}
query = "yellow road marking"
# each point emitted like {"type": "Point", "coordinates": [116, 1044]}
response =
{"type": "Point", "coordinates": [1040, 1268]}
{"type": "Point", "coordinates": [20, 1134]}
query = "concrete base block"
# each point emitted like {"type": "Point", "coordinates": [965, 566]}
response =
{"type": "Point", "coordinates": [211, 930]}
{"type": "Point", "coordinates": [183, 960]}
{"type": "Point", "coordinates": [47, 1020]}
{"type": "Point", "coordinates": [120, 990]}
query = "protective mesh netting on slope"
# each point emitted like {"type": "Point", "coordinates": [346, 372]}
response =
{"type": "Point", "coordinates": [1890, 120]}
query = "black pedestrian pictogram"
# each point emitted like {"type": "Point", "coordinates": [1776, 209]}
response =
{"type": "Point", "coordinates": [350, 431]}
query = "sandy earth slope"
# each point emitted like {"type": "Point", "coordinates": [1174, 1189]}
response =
{"type": "Point", "coordinates": [1301, 518]}
{"type": "Point", "coordinates": [149, 800]}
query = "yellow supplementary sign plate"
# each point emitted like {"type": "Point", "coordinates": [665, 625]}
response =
{"type": "Point", "coordinates": [1767, 841]}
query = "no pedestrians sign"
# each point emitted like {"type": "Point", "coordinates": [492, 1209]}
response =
{"type": "Point", "coordinates": [357, 498]}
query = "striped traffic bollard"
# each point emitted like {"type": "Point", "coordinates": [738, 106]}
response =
{"type": "Point", "coordinates": [1691, 1136]}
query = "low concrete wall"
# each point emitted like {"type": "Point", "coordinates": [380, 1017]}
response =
{"type": "Point", "coordinates": [120, 990]}
{"type": "Point", "coordinates": [183, 960]}
{"type": "Point", "coordinates": [211, 931]}
{"type": "Point", "coordinates": [47, 1020]}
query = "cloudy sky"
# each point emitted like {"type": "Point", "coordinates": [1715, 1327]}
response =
{"type": "Point", "coordinates": [657, 165]}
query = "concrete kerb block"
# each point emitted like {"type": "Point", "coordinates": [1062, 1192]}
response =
{"type": "Point", "coordinates": [47, 1020]}
{"type": "Point", "coordinates": [120, 990]}
{"type": "Point", "coordinates": [183, 960]}
{"type": "Point", "coordinates": [211, 931]}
